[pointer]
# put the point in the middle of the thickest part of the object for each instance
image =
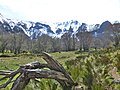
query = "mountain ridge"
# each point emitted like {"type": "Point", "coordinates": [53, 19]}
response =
{"type": "Point", "coordinates": [36, 29]}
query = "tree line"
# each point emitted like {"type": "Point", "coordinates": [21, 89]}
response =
{"type": "Point", "coordinates": [83, 40]}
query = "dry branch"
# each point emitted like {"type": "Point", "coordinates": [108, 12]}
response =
{"type": "Point", "coordinates": [4, 72]}
{"type": "Point", "coordinates": [57, 66]}
{"type": "Point", "coordinates": [34, 70]}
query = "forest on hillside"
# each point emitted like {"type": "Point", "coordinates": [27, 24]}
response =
{"type": "Point", "coordinates": [84, 40]}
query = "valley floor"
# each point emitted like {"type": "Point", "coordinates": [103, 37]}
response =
{"type": "Point", "coordinates": [97, 70]}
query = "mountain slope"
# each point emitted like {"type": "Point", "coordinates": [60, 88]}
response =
{"type": "Point", "coordinates": [36, 29]}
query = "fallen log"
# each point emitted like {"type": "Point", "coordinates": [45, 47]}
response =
{"type": "Point", "coordinates": [35, 70]}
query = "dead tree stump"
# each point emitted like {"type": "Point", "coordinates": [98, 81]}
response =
{"type": "Point", "coordinates": [34, 70]}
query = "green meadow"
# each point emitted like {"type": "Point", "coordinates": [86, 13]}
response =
{"type": "Point", "coordinates": [91, 70]}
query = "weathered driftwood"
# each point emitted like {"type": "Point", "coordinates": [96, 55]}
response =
{"type": "Point", "coordinates": [34, 70]}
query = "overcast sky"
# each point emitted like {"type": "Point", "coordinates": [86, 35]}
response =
{"type": "Point", "coordinates": [88, 11]}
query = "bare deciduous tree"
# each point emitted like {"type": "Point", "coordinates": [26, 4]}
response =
{"type": "Point", "coordinates": [116, 33]}
{"type": "Point", "coordinates": [4, 40]}
{"type": "Point", "coordinates": [66, 38]}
